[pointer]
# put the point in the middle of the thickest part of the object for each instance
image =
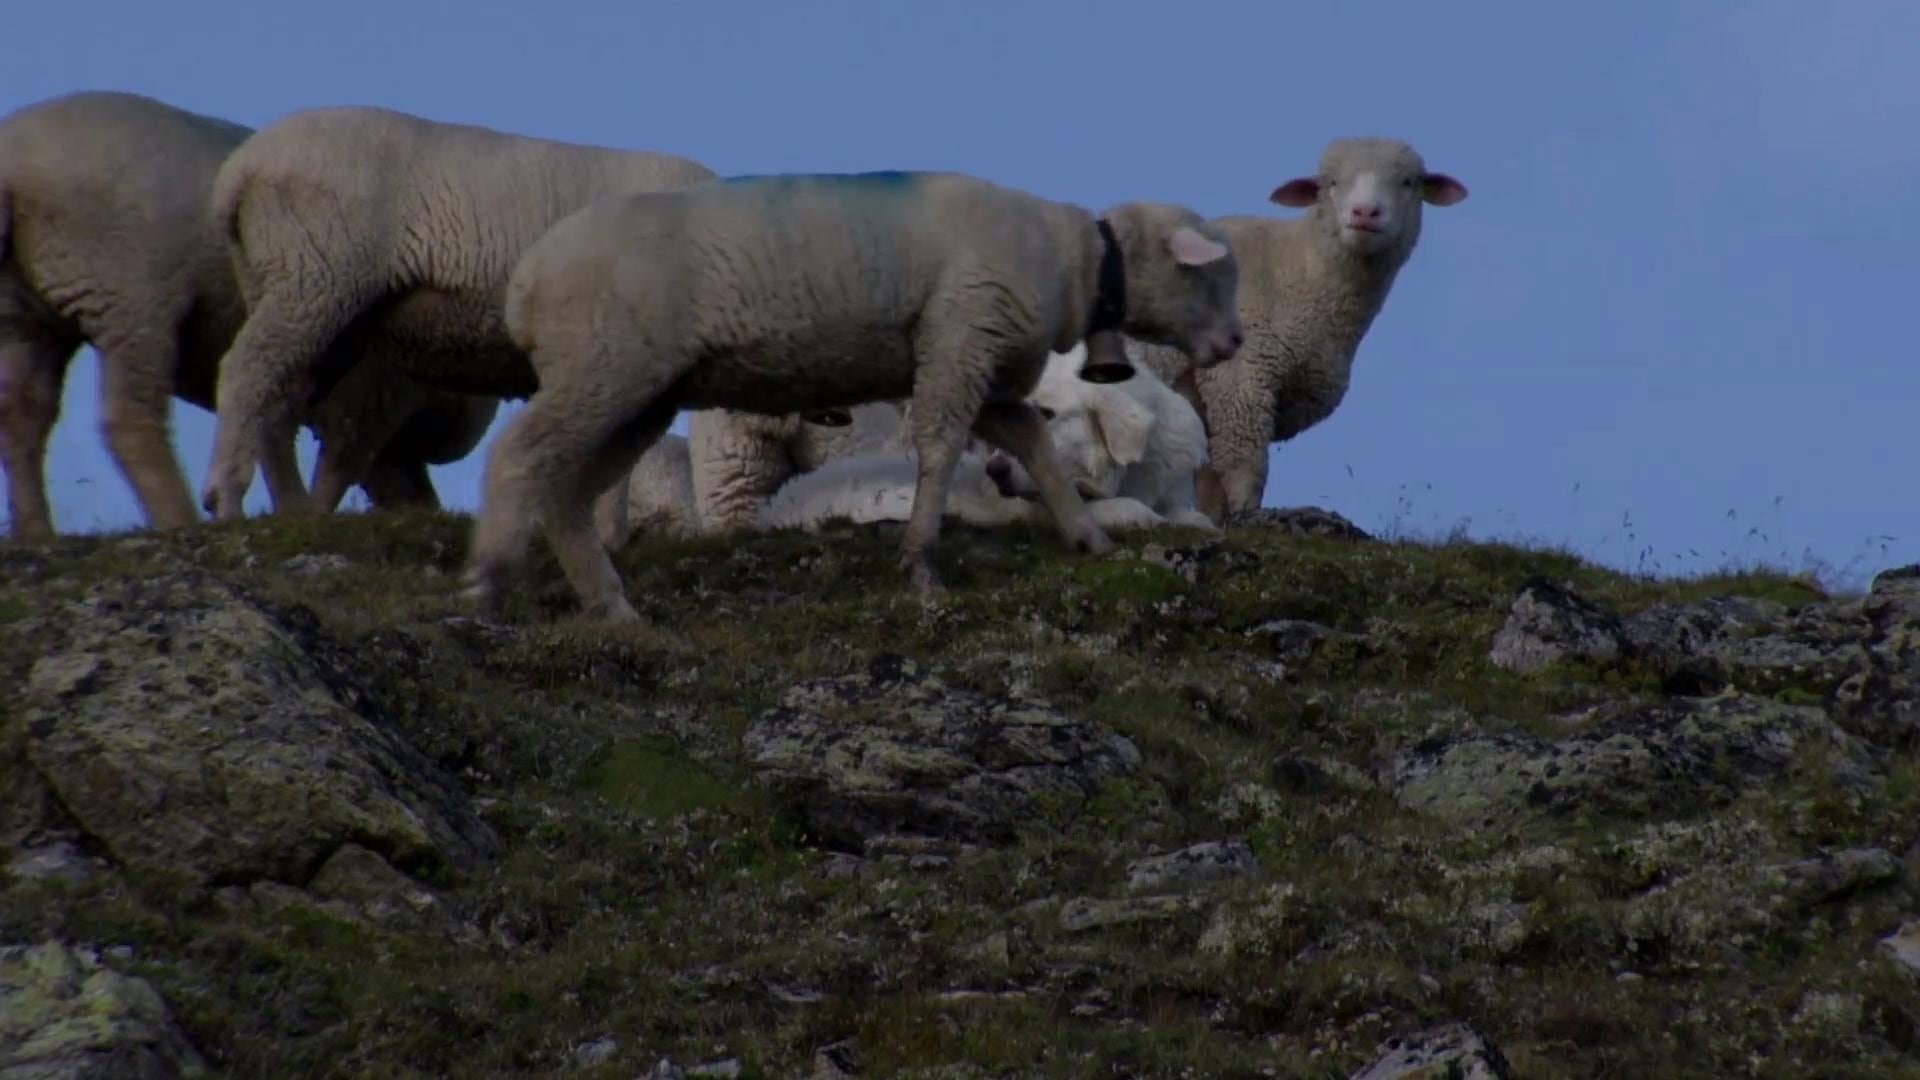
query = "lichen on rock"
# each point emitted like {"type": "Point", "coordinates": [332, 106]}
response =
{"type": "Point", "coordinates": [186, 729]}
{"type": "Point", "coordinates": [895, 750]}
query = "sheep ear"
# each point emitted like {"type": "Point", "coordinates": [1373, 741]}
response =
{"type": "Point", "coordinates": [1442, 190]}
{"type": "Point", "coordinates": [1304, 191]}
{"type": "Point", "coordinates": [1124, 426]}
{"type": "Point", "coordinates": [1192, 249]}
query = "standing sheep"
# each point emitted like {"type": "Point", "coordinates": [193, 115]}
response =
{"type": "Point", "coordinates": [1312, 287]}
{"type": "Point", "coordinates": [103, 241]}
{"type": "Point", "coordinates": [400, 233]}
{"type": "Point", "coordinates": [804, 293]}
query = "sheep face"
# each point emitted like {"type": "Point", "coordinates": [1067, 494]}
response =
{"type": "Point", "coordinates": [1366, 196]}
{"type": "Point", "coordinates": [1181, 281]}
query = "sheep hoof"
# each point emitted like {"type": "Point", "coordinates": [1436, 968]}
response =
{"type": "Point", "coordinates": [612, 610]}
{"type": "Point", "coordinates": [483, 591]}
{"type": "Point", "coordinates": [921, 576]}
{"type": "Point", "coordinates": [1106, 371]}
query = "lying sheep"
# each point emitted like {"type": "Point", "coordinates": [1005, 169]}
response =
{"type": "Point", "coordinates": [1136, 439]}
{"type": "Point", "coordinates": [400, 230]}
{"type": "Point", "coordinates": [740, 459]}
{"type": "Point", "coordinates": [876, 487]}
{"type": "Point", "coordinates": [103, 242]}
{"type": "Point", "coordinates": [658, 497]}
{"type": "Point", "coordinates": [803, 293]}
{"type": "Point", "coordinates": [730, 463]}
{"type": "Point", "coordinates": [1313, 286]}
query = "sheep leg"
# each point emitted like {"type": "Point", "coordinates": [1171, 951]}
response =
{"type": "Point", "coordinates": [335, 469]}
{"type": "Point", "coordinates": [948, 398]}
{"type": "Point", "coordinates": [610, 516]}
{"type": "Point", "coordinates": [1241, 479]}
{"type": "Point", "coordinates": [369, 404]}
{"type": "Point", "coordinates": [266, 378]}
{"type": "Point", "coordinates": [1238, 431]}
{"type": "Point", "coordinates": [33, 371]}
{"type": "Point", "coordinates": [584, 556]}
{"type": "Point", "coordinates": [394, 483]}
{"type": "Point", "coordinates": [136, 411]}
{"type": "Point", "coordinates": [733, 474]}
{"type": "Point", "coordinates": [578, 435]}
{"type": "Point", "coordinates": [1017, 428]}
{"type": "Point", "coordinates": [1209, 496]}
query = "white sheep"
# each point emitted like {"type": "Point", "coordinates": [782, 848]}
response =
{"type": "Point", "coordinates": [874, 487]}
{"type": "Point", "coordinates": [1136, 439]}
{"type": "Point", "coordinates": [399, 233]}
{"type": "Point", "coordinates": [803, 293]}
{"type": "Point", "coordinates": [658, 497]}
{"type": "Point", "coordinates": [1312, 286]}
{"type": "Point", "coordinates": [719, 476]}
{"type": "Point", "coordinates": [103, 241]}
{"type": "Point", "coordinates": [739, 459]}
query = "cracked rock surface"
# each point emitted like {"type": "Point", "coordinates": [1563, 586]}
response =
{"type": "Point", "coordinates": [180, 726]}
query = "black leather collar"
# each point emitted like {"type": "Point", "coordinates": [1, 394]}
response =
{"type": "Point", "coordinates": [1110, 297]}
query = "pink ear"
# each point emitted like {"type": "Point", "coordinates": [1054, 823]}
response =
{"type": "Point", "coordinates": [1443, 190]}
{"type": "Point", "coordinates": [1301, 192]}
{"type": "Point", "coordinates": [1192, 249]}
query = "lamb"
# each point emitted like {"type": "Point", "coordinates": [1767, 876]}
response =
{"type": "Point", "coordinates": [1313, 286]}
{"type": "Point", "coordinates": [804, 293]}
{"type": "Point", "coordinates": [658, 497]}
{"type": "Point", "coordinates": [103, 242]}
{"type": "Point", "coordinates": [720, 475]}
{"type": "Point", "coordinates": [873, 487]}
{"type": "Point", "coordinates": [1136, 439]}
{"type": "Point", "coordinates": [740, 459]}
{"type": "Point", "coordinates": [398, 233]}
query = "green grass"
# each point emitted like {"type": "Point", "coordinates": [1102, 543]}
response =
{"type": "Point", "coordinates": [651, 889]}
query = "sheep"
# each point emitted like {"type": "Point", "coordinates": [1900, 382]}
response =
{"type": "Point", "coordinates": [719, 476]}
{"type": "Point", "coordinates": [1314, 284]}
{"type": "Point", "coordinates": [103, 241]}
{"type": "Point", "coordinates": [873, 487]}
{"type": "Point", "coordinates": [802, 293]}
{"type": "Point", "coordinates": [399, 233]}
{"type": "Point", "coordinates": [1136, 438]}
{"type": "Point", "coordinates": [658, 497]}
{"type": "Point", "coordinates": [740, 458]}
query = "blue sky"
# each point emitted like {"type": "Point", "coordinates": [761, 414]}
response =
{"type": "Point", "coordinates": [1666, 322]}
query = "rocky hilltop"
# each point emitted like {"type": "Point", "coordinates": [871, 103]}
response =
{"type": "Point", "coordinates": [1294, 802]}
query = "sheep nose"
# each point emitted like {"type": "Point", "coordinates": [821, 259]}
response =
{"type": "Point", "coordinates": [1365, 211]}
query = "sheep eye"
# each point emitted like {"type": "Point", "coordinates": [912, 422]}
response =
{"type": "Point", "coordinates": [1046, 413]}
